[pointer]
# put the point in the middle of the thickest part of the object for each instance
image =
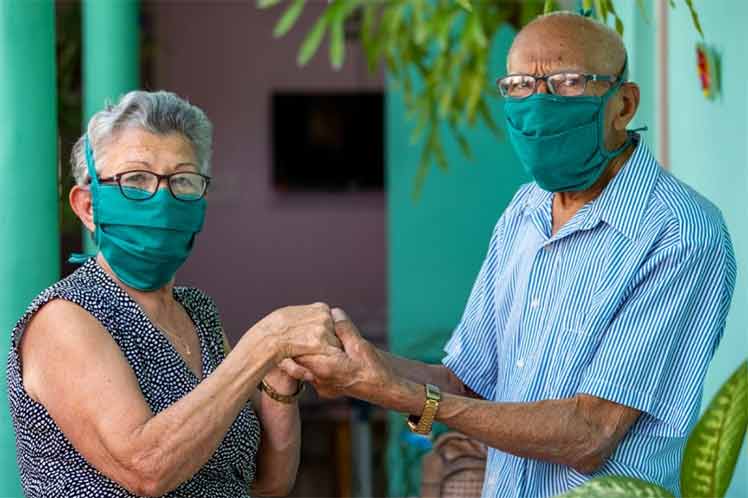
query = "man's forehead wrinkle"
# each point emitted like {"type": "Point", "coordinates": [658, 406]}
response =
{"type": "Point", "coordinates": [586, 41]}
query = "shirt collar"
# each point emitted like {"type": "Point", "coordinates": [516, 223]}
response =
{"type": "Point", "coordinates": [623, 201]}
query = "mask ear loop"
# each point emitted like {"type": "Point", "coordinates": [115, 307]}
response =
{"type": "Point", "coordinates": [80, 258]}
{"type": "Point", "coordinates": [90, 162]}
{"type": "Point", "coordinates": [610, 154]}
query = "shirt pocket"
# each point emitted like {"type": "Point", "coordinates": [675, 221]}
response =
{"type": "Point", "coordinates": [570, 344]}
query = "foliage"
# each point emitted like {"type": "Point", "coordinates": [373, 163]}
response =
{"type": "Point", "coordinates": [710, 456]}
{"type": "Point", "coordinates": [68, 49]}
{"type": "Point", "coordinates": [437, 51]}
{"type": "Point", "coordinates": [714, 445]}
{"type": "Point", "coordinates": [617, 487]}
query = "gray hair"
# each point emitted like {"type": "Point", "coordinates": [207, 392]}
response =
{"type": "Point", "coordinates": [156, 112]}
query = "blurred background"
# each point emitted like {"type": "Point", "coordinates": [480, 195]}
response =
{"type": "Point", "coordinates": [320, 193]}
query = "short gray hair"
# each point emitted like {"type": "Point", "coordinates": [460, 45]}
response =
{"type": "Point", "coordinates": [156, 112]}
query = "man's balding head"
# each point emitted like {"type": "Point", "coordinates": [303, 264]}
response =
{"type": "Point", "coordinates": [566, 41]}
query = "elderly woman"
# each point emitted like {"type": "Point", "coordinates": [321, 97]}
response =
{"type": "Point", "coordinates": [122, 384]}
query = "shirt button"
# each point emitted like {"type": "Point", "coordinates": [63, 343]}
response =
{"type": "Point", "coordinates": [535, 303]}
{"type": "Point", "coordinates": [520, 363]}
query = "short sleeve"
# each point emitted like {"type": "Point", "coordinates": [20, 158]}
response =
{"type": "Point", "coordinates": [471, 351]}
{"type": "Point", "coordinates": [655, 353]}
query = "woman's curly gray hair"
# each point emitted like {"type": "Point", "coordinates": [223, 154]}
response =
{"type": "Point", "coordinates": [157, 112]}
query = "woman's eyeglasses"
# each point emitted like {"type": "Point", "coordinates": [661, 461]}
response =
{"type": "Point", "coordinates": [141, 185]}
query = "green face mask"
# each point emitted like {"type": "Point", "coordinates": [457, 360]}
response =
{"type": "Point", "coordinates": [560, 140]}
{"type": "Point", "coordinates": [144, 241]}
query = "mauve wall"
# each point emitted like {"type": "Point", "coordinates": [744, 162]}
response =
{"type": "Point", "coordinates": [261, 249]}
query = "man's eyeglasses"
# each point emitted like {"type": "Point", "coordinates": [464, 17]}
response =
{"type": "Point", "coordinates": [565, 84]}
{"type": "Point", "coordinates": [141, 185]}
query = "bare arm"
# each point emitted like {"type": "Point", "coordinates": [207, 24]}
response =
{"type": "Point", "coordinates": [280, 447]}
{"type": "Point", "coordinates": [74, 368]}
{"type": "Point", "coordinates": [424, 373]}
{"type": "Point", "coordinates": [580, 432]}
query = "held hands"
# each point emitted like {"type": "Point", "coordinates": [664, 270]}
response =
{"type": "Point", "coordinates": [299, 330]}
{"type": "Point", "coordinates": [294, 331]}
{"type": "Point", "coordinates": [357, 370]}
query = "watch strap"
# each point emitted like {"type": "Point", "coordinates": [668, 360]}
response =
{"type": "Point", "coordinates": [423, 424]}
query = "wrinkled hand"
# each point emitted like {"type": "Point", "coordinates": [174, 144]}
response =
{"type": "Point", "coordinates": [299, 330]}
{"type": "Point", "coordinates": [355, 371]}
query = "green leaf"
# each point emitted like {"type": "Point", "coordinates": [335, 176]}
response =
{"type": "Point", "coordinates": [474, 30]}
{"type": "Point", "coordinates": [445, 101]}
{"type": "Point", "coordinates": [311, 42]}
{"type": "Point", "coordinates": [421, 172]}
{"type": "Point", "coordinates": [443, 28]}
{"type": "Point", "coordinates": [465, 4]}
{"type": "Point", "coordinates": [391, 20]}
{"type": "Point", "coordinates": [441, 159]}
{"type": "Point", "coordinates": [289, 18]}
{"type": "Point", "coordinates": [612, 10]}
{"type": "Point", "coordinates": [601, 11]}
{"type": "Point", "coordinates": [694, 17]}
{"type": "Point", "coordinates": [337, 38]}
{"type": "Point", "coordinates": [370, 39]}
{"type": "Point", "coordinates": [713, 447]}
{"type": "Point", "coordinates": [420, 27]}
{"type": "Point", "coordinates": [367, 23]}
{"type": "Point", "coordinates": [264, 4]}
{"type": "Point", "coordinates": [548, 7]}
{"type": "Point", "coordinates": [475, 90]}
{"type": "Point", "coordinates": [617, 487]}
{"type": "Point", "coordinates": [422, 120]}
{"type": "Point", "coordinates": [462, 142]}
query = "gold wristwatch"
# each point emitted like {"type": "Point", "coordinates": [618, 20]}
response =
{"type": "Point", "coordinates": [422, 425]}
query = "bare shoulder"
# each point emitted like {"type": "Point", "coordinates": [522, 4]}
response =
{"type": "Point", "coordinates": [58, 340]}
{"type": "Point", "coordinates": [61, 324]}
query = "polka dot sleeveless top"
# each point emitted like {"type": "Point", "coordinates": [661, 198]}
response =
{"type": "Point", "coordinates": [50, 466]}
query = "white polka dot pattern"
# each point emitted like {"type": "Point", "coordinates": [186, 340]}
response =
{"type": "Point", "coordinates": [50, 466]}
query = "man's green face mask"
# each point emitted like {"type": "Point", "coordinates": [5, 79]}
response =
{"type": "Point", "coordinates": [560, 141]}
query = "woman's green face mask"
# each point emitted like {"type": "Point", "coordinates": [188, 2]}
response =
{"type": "Point", "coordinates": [144, 241]}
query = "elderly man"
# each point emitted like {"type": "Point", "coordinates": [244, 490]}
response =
{"type": "Point", "coordinates": [586, 338]}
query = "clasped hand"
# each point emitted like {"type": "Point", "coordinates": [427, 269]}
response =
{"type": "Point", "coordinates": [343, 364]}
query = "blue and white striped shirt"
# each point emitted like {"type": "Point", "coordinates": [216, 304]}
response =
{"type": "Point", "coordinates": [626, 302]}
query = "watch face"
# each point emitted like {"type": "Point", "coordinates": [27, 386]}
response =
{"type": "Point", "coordinates": [433, 392]}
{"type": "Point", "coordinates": [414, 425]}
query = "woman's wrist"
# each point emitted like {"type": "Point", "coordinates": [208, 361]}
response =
{"type": "Point", "coordinates": [282, 383]}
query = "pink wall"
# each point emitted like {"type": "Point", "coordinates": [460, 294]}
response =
{"type": "Point", "coordinates": [261, 249]}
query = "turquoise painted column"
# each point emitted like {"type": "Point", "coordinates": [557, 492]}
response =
{"type": "Point", "coordinates": [111, 57]}
{"type": "Point", "coordinates": [29, 224]}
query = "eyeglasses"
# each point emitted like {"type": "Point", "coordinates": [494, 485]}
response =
{"type": "Point", "coordinates": [565, 84]}
{"type": "Point", "coordinates": [141, 185]}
